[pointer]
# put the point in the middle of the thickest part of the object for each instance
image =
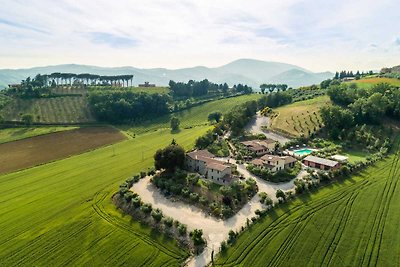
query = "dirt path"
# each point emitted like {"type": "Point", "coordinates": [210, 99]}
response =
{"type": "Point", "coordinates": [215, 231]}
{"type": "Point", "coordinates": [255, 127]}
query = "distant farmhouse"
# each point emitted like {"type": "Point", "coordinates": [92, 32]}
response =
{"type": "Point", "coordinates": [204, 163]}
{"type": "Point", "coordinates": [321, 163]}
{"type": "Point", "coordinates": [275, 163]}
{"type": "Point", "coordinates": [260, 147]}
{"type": "Point", "coordinates": [147, 84]}
{"type": "Point", "coordinates": [347, 79]}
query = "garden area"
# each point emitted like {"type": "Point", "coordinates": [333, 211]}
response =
{"type": "Point", "coordinates": [219, 201]}
{"type": "Point", "coordinates": [284, 175]}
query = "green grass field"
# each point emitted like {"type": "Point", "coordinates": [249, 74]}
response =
{"type": "Point", "coordinates": [192, 117]}
{"type": "Point", "coordinates": [66, 109]}
{"type": "Point", "coordinates": [348, 223]}
{"type": "Point", "coordinates": [13, 134]}
{"type": "Point", "coordinates": [61, 214]}
{"type": "Point", "coordinates": [369, 82]}
{"type": "Point", "coordinates": [300, 117]}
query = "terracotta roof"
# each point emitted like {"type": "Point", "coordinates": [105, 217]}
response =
{"type": "Point", "coordinates": [289, 159]}
{"type": "Point", "coordinates": [257, 162]}
{"type": "Point", "coordinates": [200, 153]}
{"type": "Point", "coordinates": [322, 161]}
{"type": "Point", "coordinates": [217, 166]}
{"type": "Point", "coordinates": [271, 158]}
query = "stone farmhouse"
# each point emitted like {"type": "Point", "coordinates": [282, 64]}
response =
{"type": "Point", "coordinates": [204, 163]}
{"type": "Point", "coordinates": [275, 163]}
{"type": "Point", "coordinates": [260, 147]}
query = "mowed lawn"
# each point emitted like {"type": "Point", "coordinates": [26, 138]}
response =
{"type": "Point", "coordinates": [369, 82]}
{"type": "Point", "coordinates": [13, 134]}
{"type": "Point", "coordinates": [300, 117]}
{"type": "Point", "coordinates": [195, 116]}
{"type": "Point", "coordinates": [349, 223]}
{"type": "Point", "coordinates": [44, 148]}
{"type": "Point", "coordinates": [61, 213]}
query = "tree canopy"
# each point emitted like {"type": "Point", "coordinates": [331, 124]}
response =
{"type": "Point", "coordinates": [170, 158]}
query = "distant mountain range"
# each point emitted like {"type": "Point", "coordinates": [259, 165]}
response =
{"type": "Point", "coordinates": [247, 71]}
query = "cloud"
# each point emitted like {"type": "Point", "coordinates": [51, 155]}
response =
{"type": "Point", "coordinates": [397, 41]}
{"type": "Point", "coordinates": [112, 40]}
{"type": "Point", "coordinates": [324, 35]}
{"type": "Point", "coordinates": [21, 26]}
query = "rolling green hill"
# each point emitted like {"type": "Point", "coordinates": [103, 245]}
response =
{"type": "Point", "coordinates": [64, 109]}
{"type": "Point", "coordinates": [369, 82]}
{"type": "Point", "coordinates": [351, 222]}
{"type": "Point", "coordinates": [61, 213]}
{"type": "Point", "coordinates": [192, 117]}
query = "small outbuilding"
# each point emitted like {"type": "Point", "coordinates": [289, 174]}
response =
{"type": "Point", "coordinates": [321, 163]}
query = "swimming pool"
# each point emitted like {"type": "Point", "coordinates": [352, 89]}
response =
{"type": "Point", "coordinates": [302, 152]}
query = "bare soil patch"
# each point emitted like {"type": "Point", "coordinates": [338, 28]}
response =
{"type": "Point", "coordinates": [45, 148]}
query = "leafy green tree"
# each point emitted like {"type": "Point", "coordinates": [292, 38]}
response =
{"type": "Point", "coordinates": [336, 119]}
{"type": "Point", "coordinates": [280, 194]}
{"type": "Point", "coordinates": [197, 237]}
{"type": "Point", "coordinates": [169, 158]}
{"type": "Point", "coordinates": [175, 122]}
{"type": "Point", "coordinates": [27, 119]}
{"type": "Point", "coordinates": [215, 116]}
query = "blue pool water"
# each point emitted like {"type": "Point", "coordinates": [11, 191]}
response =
{"type": "Point", "coordinates": [302, 152]}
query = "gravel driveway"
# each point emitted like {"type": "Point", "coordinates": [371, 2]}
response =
{"type": "Point", "coordinates": [255, 127]}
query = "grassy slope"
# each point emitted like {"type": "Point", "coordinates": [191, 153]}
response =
{"type": "Point", "coordinates": [13, 134]}
{"type": "Point", "coordinates": [60, 213]}
{"type": "Point", "coordinates": [192, 117]}
{"type": "Point", "coordinates": [295, 119]}
{"type": "Point", "coordinates": [369, 82]}
{"type": "Point", "coordinates": [349, 223]}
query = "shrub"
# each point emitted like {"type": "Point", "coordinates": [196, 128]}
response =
{"type": "Point", "coordinates": [224, 246]}
{"type": "Point", "coordinates": [197, 236]}
{"type": "Point", "coordinates": [185, 192]}
{"type": "Point", "coordinates": [142, 174]}
{"type": "Point", "coordinates": [203, 200]}
{"type": "Point", "coordinates": [194, 197]}
{"type": "Point", "coordinates": [226, 211]}
{"type": "Point", "coordinates": [146, 208]}
{"type": "Point", "coordinates": [168, 222]}
{"type": "Point", "coordinates": [136, 202]}
{"type": "Point", "coordinates": [157, 215]}
{"type": "Point", "coordinates": [182, 229]}
{"type": "Point", "coordinates": [231, 237]}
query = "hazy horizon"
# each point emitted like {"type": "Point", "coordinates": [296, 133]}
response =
{"type": "Point", "coordinates": [319, 36]}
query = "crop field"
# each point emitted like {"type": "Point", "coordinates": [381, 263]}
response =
{"type": "Point", "coordinates": [65, 109]}
{"type": "Point", "coordinates": [369, 82]}
{"type": "Point", "coordinates": [353, 222]}
{"type": "Point", "coordinates": [300, 117]}
{"type": "Point", "coordinates": [44, 148]}
{"type": "Point", "coordinates": [13, 134]}
{"type": "Point", "coordinates": [61, 213]}
{"type": "Point", "coordinates": [192, 117]}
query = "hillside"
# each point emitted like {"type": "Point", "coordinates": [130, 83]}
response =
{"type": "Point", "coordinates": [65, 109]}
{"type": "Point", "coordinates": [371, 81]}
{"type": "Point", "coordinates": [348, 223]}
{"type": "Point", "coordinates": [249, 71]}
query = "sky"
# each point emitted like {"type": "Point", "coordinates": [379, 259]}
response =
{"type": "Point", "coordinates": [317, 35]}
